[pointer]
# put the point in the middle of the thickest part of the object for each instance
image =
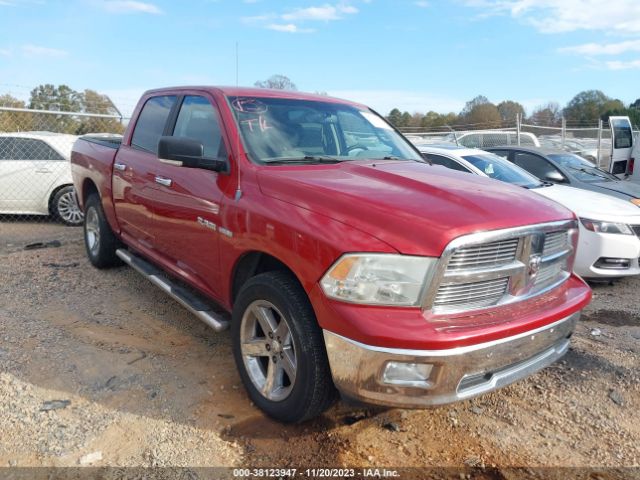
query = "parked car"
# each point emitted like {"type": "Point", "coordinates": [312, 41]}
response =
{"type": "Point", "coordinates": [347, 261]}
{"type": "Point", "coordinates": [587, 149]}
{"type": "Point", "coordinates": [609, 245]}
{"type": "Point", "coordinates": [565, 168]}
{"type": "Point", "coordinates": [491, 138]}
{"type": "Point", "coordinates": [35, 177]}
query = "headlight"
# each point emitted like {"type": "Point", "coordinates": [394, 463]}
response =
{"type": "Point", "coordinates": [378, 279]}
{"type": "Point", "coordinates": [606, 227]}
{"type": "Point", "coordinates": [636, 201]}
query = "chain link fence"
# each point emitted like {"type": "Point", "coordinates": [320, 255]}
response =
{"type": "Point", "coordinates": [35, 173]}
{"type": "Point", "coordinates": [590, 142]}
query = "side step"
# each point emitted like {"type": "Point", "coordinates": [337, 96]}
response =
{"type": "Point", "coordinates": [182, 295]}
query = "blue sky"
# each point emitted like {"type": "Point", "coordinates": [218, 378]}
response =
{"type": "Point", "coordinates": [416, 55]}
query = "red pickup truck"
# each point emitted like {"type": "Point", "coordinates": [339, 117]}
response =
{"type": "Point", "coordinates": [349, 263]}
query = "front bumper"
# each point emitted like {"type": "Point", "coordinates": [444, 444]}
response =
{"type": "Point", "coordinates": [457, 373]}
{"type": "Point", "coordinates": [593, 246]}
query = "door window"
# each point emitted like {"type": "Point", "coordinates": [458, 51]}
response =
{"type": "Point", "coordinates": [6, 147]}
{"type": "Point", "coordinates": [446, 162]}
{"type": "Point", "coordinates": [536, 165]}
{"type": "Point", "coordinates": [198, 120]}
{"type": "Point", "coordinates": [151, 123]}
{"type": "Point", "coordinates": [32, 149]}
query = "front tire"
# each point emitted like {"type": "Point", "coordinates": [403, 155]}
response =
{"type": "Point", "coordinates": [65, 207]}
{"type": "Point", "coordinates": [279, 349]}
{"type": "Point", "coordinates": [99, 240]}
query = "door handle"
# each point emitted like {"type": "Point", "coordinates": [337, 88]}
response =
{"type": "Point", "coordinates": [120, 166]}
{"type": "Point", "coordinates": [163, 181]}
{"type": "Point", "coordinates": [43, 170]}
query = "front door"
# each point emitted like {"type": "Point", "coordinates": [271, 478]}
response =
{"type": "Point", "coordinates": [187, 201]}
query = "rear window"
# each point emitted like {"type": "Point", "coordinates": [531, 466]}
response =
{"type": "Point", "coordinates": [151, 123]}
{"type": "Point", "coordinates": [623, 135]}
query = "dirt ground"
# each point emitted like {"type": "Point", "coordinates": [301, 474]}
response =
{"type": "Point", "coordinates": [101, 368]}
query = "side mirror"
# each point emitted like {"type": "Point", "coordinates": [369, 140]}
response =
{"type": "Point", "coordinates": [188, 153]}
{"type": "Point", "coordinates": [555, 177]}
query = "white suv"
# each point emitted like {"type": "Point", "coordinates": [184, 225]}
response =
{"type": "Point", "coordinates": [35, 176]}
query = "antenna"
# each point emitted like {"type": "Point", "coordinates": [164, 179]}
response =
{"type": "Point", "coordinates": [238, 189]}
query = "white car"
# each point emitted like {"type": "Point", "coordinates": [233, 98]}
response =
{"type": "Point", "coordinates": [35, 176]}
{"type": "Point", "coordinates": [609, 241]}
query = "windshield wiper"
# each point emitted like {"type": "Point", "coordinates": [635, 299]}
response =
{"type": "Point", "coordinates": [306, 159]}
{"type": "Point", "coordinates": [592, 171]}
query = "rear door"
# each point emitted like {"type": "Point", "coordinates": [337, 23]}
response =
{"type": "Point", "coordinates": [29, 168]}
{"type": "Point", "coordinates": [621, 144]}
{"type": "Point", "coordinates": [187, 201]}
{"type": "Point", "coordinates": [134, 172]}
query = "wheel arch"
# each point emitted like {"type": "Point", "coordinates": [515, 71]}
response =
{"type": "Point", "coordinates": [53, 194]}
{"type": "Point", "coordinates": [253, 263]}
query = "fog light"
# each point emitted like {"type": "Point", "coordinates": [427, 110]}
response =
{"type": "Point", "coordinates": [408, 374]}
{"type": "Point", "coordinates": [613, 263]}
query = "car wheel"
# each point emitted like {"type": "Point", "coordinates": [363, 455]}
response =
{"type": "Point", "coordinates": [279, 349]}
{"type": "Point", "coordinates": [65, 207]}
{"type": "Point", "coordinates": [99, 240]}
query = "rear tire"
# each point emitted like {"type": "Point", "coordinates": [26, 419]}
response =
{"type": "Point", "coordinates": [279, 349]}
{"type": "Point", "coordinates": [65, 208]}
{"type": "Point", "coordinates": [99, 240]}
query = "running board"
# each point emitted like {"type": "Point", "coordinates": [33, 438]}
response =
{"type": "Point", "coordinates": [182, 295]}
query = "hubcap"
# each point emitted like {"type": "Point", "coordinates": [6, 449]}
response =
{"type": "Point", "coordinates": [68, 208]}
{"type": "Point", "coordinates": [92, 230]}
{"type": "Point", "coordinates": [268, 351]}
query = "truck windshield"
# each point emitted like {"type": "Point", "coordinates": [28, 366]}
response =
{"type": "Point", "coordinates": [500, 169]}
{"type": "Point", "coordinates": [279, 130]}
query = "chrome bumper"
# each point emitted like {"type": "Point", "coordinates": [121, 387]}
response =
{"type": "Point", "coordinates": [457, 373]}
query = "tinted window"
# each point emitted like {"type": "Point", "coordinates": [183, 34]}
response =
{"type": "Point", "coordinates": [446, 162]}
{"type": "Point", "coordinates": [6, 146]}
{"type": "Point", "coordinates": [534, 164]}
{"type": "Point", "coordinates": [501, 153]}
{"type": "Point", "coordinates": [198, 120]}
{"type": "Point", "coordinates": [31, 149]}
{"type": "Point", "coordinates": [622, 131]}
{"type": "Point", "coordinates": [151, 123]}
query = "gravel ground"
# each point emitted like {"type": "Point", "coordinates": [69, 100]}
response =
{"type": "Point", "coordinates": [101, 368]}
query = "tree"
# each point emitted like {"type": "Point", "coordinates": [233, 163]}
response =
{"type": "Point", "coordinates": [509, 110]}
{"type": "Point", "coordinates": [635, 104]}
{"type": "Point", "coordinates": [58, 99]}
{"type": "Point", "coordinates": [471, 104]}
{"type": "Point", "coordinates": [548, 115]}
{"type": "Point", "coordinates": [14, 121]}
{"type": "Point", "coordinates": [94, 102]}
{"type": "Point", "coordinates": [395, 117]}
{"type": "Point", "coordinates": [278, 82]}
{"type": "Point", "coordinates": [588, 106]}
{"type": "Point", "coordinates": [632, 113]}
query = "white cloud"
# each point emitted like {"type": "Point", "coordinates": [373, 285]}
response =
{"type": "Point", "coordinates": [290, 21]}
{"type": "Point", "coordinates": [421, 4]}
{"type": "Point", "coordinates": [623, 65]}
{"type": "Point", "coordinates": [130, 6]}
{"type": "Point", "coordinates": [604, 48]}
{"type": "Point", "coordinates": [555, 16]}
{"type": "Point", "coordinates": [5, 52]}
{"type": "Point", "coordinates": [40, 51]}
{"type": "Point", "coordinates": [288, 27]}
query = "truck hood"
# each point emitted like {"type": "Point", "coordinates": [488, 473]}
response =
{"type": "Point", "coordinates": [414, 207]}
{"type": "Point", "coordinates": [592, 205]}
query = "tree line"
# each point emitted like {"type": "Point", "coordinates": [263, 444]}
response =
{"type": "Point", "coordinates": [61, 98]}
{"type": "Point", "coordinates": [585, 109]}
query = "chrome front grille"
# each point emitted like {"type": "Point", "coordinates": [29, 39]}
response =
{"type": "Point", "coordinates": [555, 242]}
{"type": "Point", "coordinates": [474, 294]}
{"type": "Point", "coordinates": [498, 267]}
{"type": "Point", "coordinates": [484, 256]}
